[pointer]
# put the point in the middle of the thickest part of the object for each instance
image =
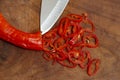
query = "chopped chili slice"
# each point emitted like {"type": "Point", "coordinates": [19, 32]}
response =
{"type": "Point", "coordinates": [96, 63]}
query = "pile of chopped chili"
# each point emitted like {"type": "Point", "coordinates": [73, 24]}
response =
{"type": "Point", "coordinates": [67, 42]}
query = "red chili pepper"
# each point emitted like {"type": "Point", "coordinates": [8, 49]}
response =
{"type": "Point", "coordinates": [64, 44]}
{"type": "Point", "coordinates": [19, 38]}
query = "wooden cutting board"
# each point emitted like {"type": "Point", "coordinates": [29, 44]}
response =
{"type": "Point", "coordinates": [21, 64]}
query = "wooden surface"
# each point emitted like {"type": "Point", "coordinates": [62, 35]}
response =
{"type": "Point", "coordinates": [21, 64]}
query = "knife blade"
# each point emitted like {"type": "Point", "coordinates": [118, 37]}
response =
{"type": "Point", "coordinates": [50, 12]}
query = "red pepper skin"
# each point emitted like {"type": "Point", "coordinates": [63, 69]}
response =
{"type": "Point", "coordinates": [19, 38]}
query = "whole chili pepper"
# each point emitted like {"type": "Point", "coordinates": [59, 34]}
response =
{"type": "Point", "coordinates": [19, 38]}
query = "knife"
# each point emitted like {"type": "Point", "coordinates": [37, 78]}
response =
{"type": "Point", "coordinates": [50, 12]}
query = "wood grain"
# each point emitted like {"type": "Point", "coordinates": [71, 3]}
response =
{"type": "Point", "coordinates": [20, 64]}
